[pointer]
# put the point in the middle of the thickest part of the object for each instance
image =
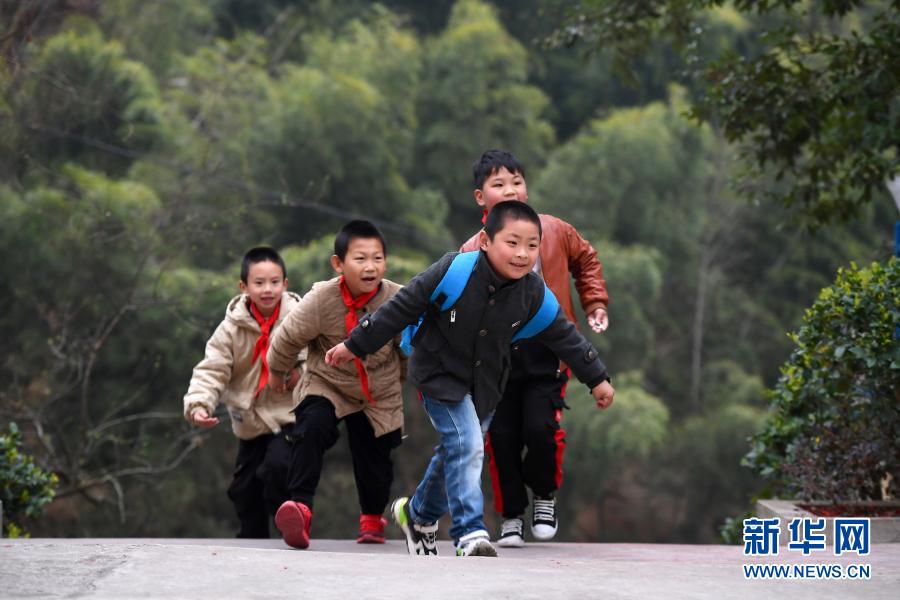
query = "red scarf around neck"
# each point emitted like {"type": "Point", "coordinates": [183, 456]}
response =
{"type": "Point", "coordinates": [262, 342]}
{"type": "Point", "coordinates": [484, 214]}
{"type": "Point", "coordinates": [350, 321]}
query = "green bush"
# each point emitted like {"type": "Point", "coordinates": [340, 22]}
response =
{"type": "Point", "coordinates": [833, 431]}
{"type": "Point", "coordinates": [24, 487]}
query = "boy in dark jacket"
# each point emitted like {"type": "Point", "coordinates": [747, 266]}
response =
{"type": "Point", "coordinates": [526, 441]}
{"type": "Point", "coordinates": [460, 366]}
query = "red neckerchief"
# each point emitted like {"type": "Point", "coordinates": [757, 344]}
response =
{"type": "Point", "coordinates": [262, 342]}
{"type": "Point", "coordinates": [484, 214]}
{"type": "Point", "coordinates": [350, 321]}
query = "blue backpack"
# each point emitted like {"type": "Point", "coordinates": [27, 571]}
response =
{"type": "Point", "coordinates": [451, 287]}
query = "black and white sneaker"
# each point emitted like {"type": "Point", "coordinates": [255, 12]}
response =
{"type": "Point", "coordinates": [512, 533]}
{"type": "Point", "coordinates": [543, 521]}
{"type": "Point", "coordinates": [421, 540]}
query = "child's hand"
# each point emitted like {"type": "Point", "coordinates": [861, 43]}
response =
{"type": "Point", "coordinates": [599, 320]}
{"type": "Point", "coordinates": [603, 393]}
{"type": "Point", "coordinates": [278, 383]}
{"type": "Point", "coordinates": [338, 355]}
{"type": "Point", "coordinates": [290, 382]}
{"type": "Point", "coordinates": [201, 418]}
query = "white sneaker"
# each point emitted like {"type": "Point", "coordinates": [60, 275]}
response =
{"type": "Point", "coordinates": [477, 543]}
{"type": "Point", "coordinates": [543, 521]}
{"type": "Point", "coordinates": [512, 533]}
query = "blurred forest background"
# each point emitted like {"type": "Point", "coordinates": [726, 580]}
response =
{"type": "Point", "coordinates": [144, 146]}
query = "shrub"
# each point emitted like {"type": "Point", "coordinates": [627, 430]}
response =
{"type": "Point", "coordinates": [24, 487]}
{"type": "Point", "coordinates": [833, 431]}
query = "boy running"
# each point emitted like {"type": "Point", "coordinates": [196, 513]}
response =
{"type": "Point", "coordinates": [234, 371]}
{"type": "Point", "coordinates": [365, 396]}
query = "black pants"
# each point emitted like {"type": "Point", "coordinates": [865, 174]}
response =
{"type": "Point", "coordinates": [259, 484]}
{"type": "Point", "coordinates": [316, 430]}
{"type": "Point", "coordinates": [527, 421]}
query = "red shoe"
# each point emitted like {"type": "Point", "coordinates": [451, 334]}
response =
{"type": "Point", "coordinates": [371, 529]}
{"type": "Point", "coordinates": [293, 520]}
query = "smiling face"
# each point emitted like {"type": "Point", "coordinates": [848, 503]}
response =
{"type": "Point", "coordinates": [363, 265]}
{"type": "Point", "coordinates": [514, 249]}
{"type": "Point", "coordinates": [265, 284]}
{"type": "Point", "coordinates": [499, 186]}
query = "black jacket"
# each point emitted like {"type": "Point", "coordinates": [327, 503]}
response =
{"type": "Point", "coordinates": [467, 348]}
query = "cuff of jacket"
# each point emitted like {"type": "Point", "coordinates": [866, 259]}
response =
{"type": "Point", "coordinates": [193, 404]}
{"type": "Point", "coordinates": [598, 380]}
{"type": "Point", "coordinates": [590, 308]}
{"type": "Point", "coordinates": [354, 348]}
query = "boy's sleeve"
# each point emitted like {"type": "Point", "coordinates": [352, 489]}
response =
{"type": "Point", "coordinates": [404, 308]}
{"type": "Point", "coordinates": [211, 374]}
{"type": "Point", "coordinates": [573, 349]}
{"type": "Point", "coordinates": [293, 334]}
{"type": "Point", "coordinates": [586, 270]}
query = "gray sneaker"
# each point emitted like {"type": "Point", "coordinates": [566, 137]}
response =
{"type": "Point", "coordinates": [477, 543]}
{"type": "Point", "coordinates": [421, 540]}
{"type": "Point", "coordinates": [512, 533]}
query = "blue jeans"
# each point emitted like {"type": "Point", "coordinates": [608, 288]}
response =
{"type": "Point", "coordinates": [453, 478]}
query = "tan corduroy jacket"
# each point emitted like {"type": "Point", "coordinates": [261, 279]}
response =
{"type": "Point", "coordinates": [318, 323]}
{"type": "Point", "coordinates": [227, 375]}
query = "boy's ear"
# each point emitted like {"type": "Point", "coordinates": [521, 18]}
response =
{"type": "Point", "coordinates": [284, 283]}
{"type": "Point", "coordinates": [479, 197]}
{"type": "Point", "coordinates": [242, 286]}
{"type": "Point", "coordinates": [483, 239]}
{"type": "Point", "coordinates": [336, 264]}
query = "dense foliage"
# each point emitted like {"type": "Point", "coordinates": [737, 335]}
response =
{"type": "Point", "coordinates": [816, 104]}
{"type": "Point", "coordinates": [24, 488]}
{"type": "Point", "coordinates": [834, 427]}
{"type": "Point", "coordinates": [145, 145]}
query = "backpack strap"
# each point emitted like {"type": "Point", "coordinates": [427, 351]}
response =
{"type": "Point", "coordinates": [445, 295]}
{"type": "Point", "coordinates": [454, 281]}
{"type": "Point", "coordinates": [541, 319]}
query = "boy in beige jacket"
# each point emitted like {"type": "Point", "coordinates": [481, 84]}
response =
{"type": "Point", "coordinates": [235, 371]}
{"type": "Point", "coordinates": [366, 396]}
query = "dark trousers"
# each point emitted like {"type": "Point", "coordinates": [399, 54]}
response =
{"type": "Point", "coordinates": [258, 486]}
{"type": "Point", "coordinates": [525, 442]}
{"type": "Point", "coordinates": [316, 430]}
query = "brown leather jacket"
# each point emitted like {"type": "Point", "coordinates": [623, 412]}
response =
{"type": "Point", "coordinates": [563, 251]}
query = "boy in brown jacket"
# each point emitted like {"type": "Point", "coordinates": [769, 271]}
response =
{"type": "Point", "coordinates": [528, 417]}
{"type": "Point", "coordinates": [234, 371]}
{"type": "Point", "coordinates": [366, 396]}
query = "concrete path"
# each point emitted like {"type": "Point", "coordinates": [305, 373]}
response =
{"type": "Point", "coordinates": [220, 568]}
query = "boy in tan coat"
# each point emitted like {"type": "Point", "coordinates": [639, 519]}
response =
{"type": "Point", "coordinates": [234, 371]}
{"type": "Point", "coordinates": [366, 396]}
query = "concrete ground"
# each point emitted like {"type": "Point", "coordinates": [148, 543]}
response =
{"type": "Point", "coordinates": [221, 568]}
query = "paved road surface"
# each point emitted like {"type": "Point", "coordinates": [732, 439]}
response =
{"type": "Point", "coordinates": [220, 568]}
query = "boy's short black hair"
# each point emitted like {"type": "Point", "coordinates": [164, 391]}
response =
{"type": "Point", "coordinates": [258, 255]}
{"type": "Point", "coordinates": [491, 162]}
{"type": "Point", "coordinates": [351, 231]}
{"type": "Point", "coordinates": [506, 210]}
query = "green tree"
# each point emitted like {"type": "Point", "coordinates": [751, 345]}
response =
{"type": "Point", "coordinates": [606, 448]}
{"type": "Point", "coordinates": [474, 95]}
{"type": "Point", "coordinates": [78, 97]}
{"type": "Point", "coordinates": [817, 106]}
{"type": "Point", "coordinates": [102, 344]}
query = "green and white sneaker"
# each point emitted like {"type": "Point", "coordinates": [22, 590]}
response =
{"type": "Point", "coordinates": [421, 540]}
{"type": "Point", "coordinates": [477, 543]}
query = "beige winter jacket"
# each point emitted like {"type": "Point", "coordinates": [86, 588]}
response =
{"type": "Point", "coordinates": [318, 323]}
{"type": "Point", "coordinates": [226, 374]}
